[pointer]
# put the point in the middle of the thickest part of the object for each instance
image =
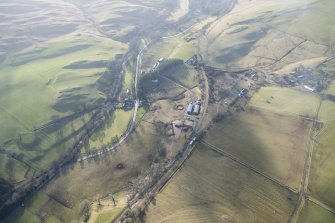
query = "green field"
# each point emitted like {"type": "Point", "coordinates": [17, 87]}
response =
{"type": "Point", "coordinates": [172, 78]}
{"type": "Point", "coordinates": [272, 143]}
{"type": "Point", "coordinates": [212, 188]}
{"type": "Point", "coordinates": [63, 197]}
{"type": "Point", "coordinates": [331, 88]}
{"type": "Point", "coordinates": [32, 152]}
{"type": "Point", "coordinates": [286, 100]}
{"type": "Point", "coordinates": [266, 34]}
{"type": "Point", "coordinates": [140, 113]}
{"type": "Point", "coordinates": [107, 210]}
{"type": "Point", "coordinates": [57, 85]}
{"type": "Point", "coordinates": [184, 75]}
{"type": "Point", "coordinates": [128, 79]}
{"type": "Point", "coordinates": [114, 127]}
{"type": "Point", "coordinates": [322, 177]}
{"type": "Point", "coordinates": [312, 213]}
{"type": "Point", "coordinates": [174, 48]}
{"type": "Point", "coordinates": [327, 112]}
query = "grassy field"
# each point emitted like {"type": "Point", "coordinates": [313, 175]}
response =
{"type": "Point", "coordinates": [64, 197]}
{"type": "Point", "coordinates": [32, 152]}
{"type": "Point", "coordinates": [327, 112]}
{"type": "Point", "coordinates": [274, 144]}
{"type": "Point", "coordinates": [270, 34]}
{"type": "Point", "coordinates": [12, 170]}
{"type": "Point", "coordinates": [322, 177]}
{"type": "Point", "coordinates": [312, 213]}
{"type": "Point", "coordinates": [285, 100]}
{"type": "Point", "coordinates": [174, 48]}
{"type": "Point", "coordinates": [52, 81]}
{"type": "Point", "coordinates": [212, 188]}
{"type": "Point", "coordinates": [184, 75]}
{"type": "Point", "coordinates": [169, 82]}
{"type": "Point", "coordinates": [115, 126]}
{"type": "Point", "coordinates": [128, 78]}
{"type": "Point", "coordinates": [140, 113]}
{"type": "Point", "coordinates": [106, 210]}
{"type": "Point", "coordinates": [331, 88]}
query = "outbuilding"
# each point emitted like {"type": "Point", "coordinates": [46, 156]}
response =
{"type": "Point", "coordinates": [189, 109]}
{"type": "Point", "coordinates": [196, 110]}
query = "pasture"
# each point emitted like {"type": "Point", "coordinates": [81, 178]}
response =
{"type": "Point", "coordinates": [331, 88]}
{"type": "Point", "coordinates": [170, 80]}
{"type": "Point", "coordinates": [212, 188]}
{"type": "Point", "coordinates": [56, 85]}
{"type": "Point", "coordinates": [312, 213]}
{"type": "Point", "coordinates": [114, 127]}
{"type": "Point", "coordinates": [270, 35]}
{"type": "Point", "coordinates": [286, 101]}
{"type": "Point", "coordinates": [273, 143]}
{"type": "Point", "coordinates": [105, 210]}
{"type": "Point", "coordinates": [174, 48]}
{"type": "Point", "coordinates": [327, 112]}
{"type": "Point", "coordinates": [322, 176]}
{"type": "Point", "coordinates": [65, 196]}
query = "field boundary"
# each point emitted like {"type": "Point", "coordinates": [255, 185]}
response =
{"type": "Point", "coordinates": [307, 167]}
{"type": "Point", "coordinates": [246, 165]}
{"type": "Point", "coordinates": [322, 205]}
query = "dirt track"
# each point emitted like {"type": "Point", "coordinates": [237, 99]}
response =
{"type": "Point", "coordinates": [307, 168]}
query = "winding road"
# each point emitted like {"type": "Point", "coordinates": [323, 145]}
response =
{"type": "Point", "coordinates": [132, 124]}
{"type": "Point", "coordinates": [133, 121]}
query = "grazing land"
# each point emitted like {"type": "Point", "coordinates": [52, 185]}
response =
{"type": "Point", "coordinates": [63, 88]}
{"type": "Point", "coordinates": [270, 35]}
{"type": "Point", "coordinates": [285, 100]}
{"type": "Point", "coordinates": [114, 127]}
{"type": "Point", "coordinates": [331, 89]}
{"type": "Point", "coordinates": [257, 145]}
{"type": "Point", "coordinates": [312, 213]}
{"type": "Point", "coordinates": [327, 112]}
{"type": "Point", "coordinates": [213, 188]}
{"type": "Point", "coordinates": [65, 197]}
{"type": "Point", "coordinates": [322, 179]}
{"type": "Point", "coordinates": [272, 143]}
{"type": "Point", "coordinates": [105, 210]}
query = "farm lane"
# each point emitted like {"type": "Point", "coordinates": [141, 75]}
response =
{"type": "Point", "coordinates": [132, 124]}
{"type": "Point", "coordinates": [307, 168]}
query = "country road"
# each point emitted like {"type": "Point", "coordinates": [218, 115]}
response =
{"type": "Point", "coordinates": [132, 124]}
{"type": "Point", "coordinates": [307, 168]}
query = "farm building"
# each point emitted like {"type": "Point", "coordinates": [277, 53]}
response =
{"type": "Point", "coordinates": [194, 108]}
{"type": "Point", "coordinates": [189, 109]}
{"type": "Point", "coordinates": [243, 92]}
{"type": "Point", "coordinates": [179, 126]}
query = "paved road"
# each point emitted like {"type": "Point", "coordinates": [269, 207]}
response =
{"type": "Point", "coordinates": [132, 125]}
{"type": "Point", "coordinates": [307, 168]}
{"type": "Point", "coordinates": [133, 121]}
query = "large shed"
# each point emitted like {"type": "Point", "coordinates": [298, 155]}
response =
{"type": "Point", "coordinates": [196, 110]}
{"type": "Point", "coordinates": [189, 109]}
